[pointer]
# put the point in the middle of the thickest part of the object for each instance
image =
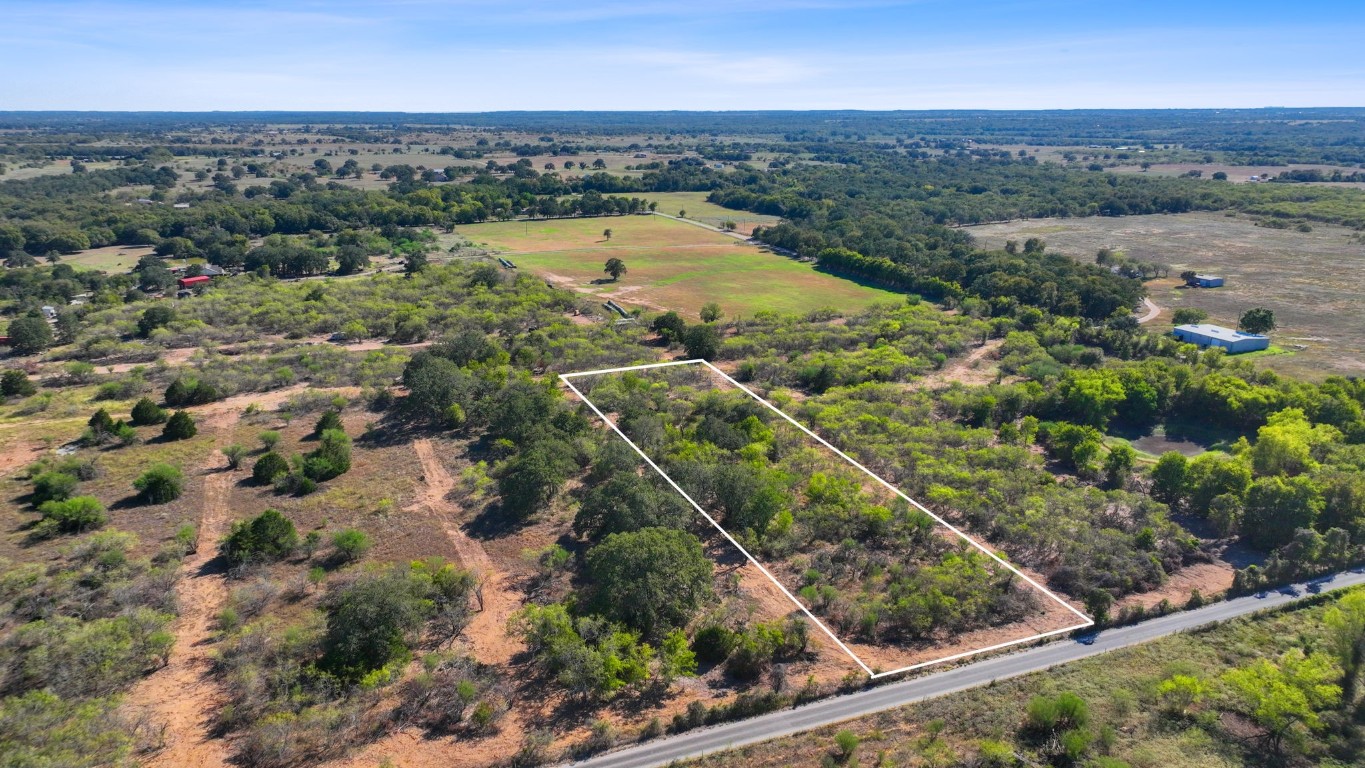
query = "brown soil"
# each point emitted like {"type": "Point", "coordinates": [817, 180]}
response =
{"type": "Point", "coordinates": [967, 369]}
{"type": "Point", "coordinates": [182, 696]}
{"type": "Point", "coordinates": [1209, 578]}
{"type": "Point", "coordinates": [486, 634]}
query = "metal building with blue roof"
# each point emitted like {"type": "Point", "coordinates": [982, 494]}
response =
{"type": "Point", "coordinates": [1206, 335]}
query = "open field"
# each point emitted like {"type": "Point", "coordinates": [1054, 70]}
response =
{"type": "Point", "coordinates": [1237, 174]}
{"type": "Point", "coordinates": [114, 259]}
{"type": "Point", "coordinates": [708, 213]}
{"type": "Point", "coordinates": [672, 265]}
{"type": "Point", "coordinates": [1310, 279]}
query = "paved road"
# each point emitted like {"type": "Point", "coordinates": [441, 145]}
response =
{"type": "Point", "coordinates": [837, 709]}
{"type": "Point", "coordinates": [1152, 311]}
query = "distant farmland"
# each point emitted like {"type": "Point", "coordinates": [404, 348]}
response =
{"type": "Point", "coordinates": [672, 265]}
{"type": "Point", "coordinates": [1310, 279]}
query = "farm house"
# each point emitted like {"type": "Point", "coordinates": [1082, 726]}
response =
{"type": "Point", "coordinates": [1206, 335]}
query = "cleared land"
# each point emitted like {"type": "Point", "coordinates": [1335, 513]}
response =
{"type": "Point", "coordinates": [1310, 279]}
{"type": "Point", "coordinates": [672, 265]}
{"type": "Point", "coordinates": [708, 213]}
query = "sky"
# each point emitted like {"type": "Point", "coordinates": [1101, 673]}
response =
{"type": "Point", "coordinates": [484, 55]}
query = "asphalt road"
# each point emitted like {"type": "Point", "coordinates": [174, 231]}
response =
{"type": "Point", "coordinates": [705, 741]}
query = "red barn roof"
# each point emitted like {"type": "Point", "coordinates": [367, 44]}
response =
{"type": "Point", "coordinates": [186, 282]}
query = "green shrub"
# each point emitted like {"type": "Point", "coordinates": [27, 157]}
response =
{"type": "Point", "coordinates": [147, 412]}
{"type": "Point", "coordinates": [269, 439]}
{"type": "Point", "coordinates": [329, 420]}
{"type": "Point", "coordinates": [160, 484]}
{"type": "Point", "coordinates": [269, 468]}
{"type": "Point", "coordinates": [714, 643]}
{"type": "Point", "coordinates": [53, 486]}
{"type": "Point", "coordinates": [846, 742]}
{"type": "Point", "coordinates": [234, 454]}
{"type": "Point", "coordinates": [267, 536]}
{"type": "Point", "coordinates": [74, 515]}
{"type": "Point", "coordinates": [15, 383]}
{"type": "Point", "coordinates": [332, 458]}
{"type": "Point", "coordinates": [180, 426]}
{"type": "Point", "coordinates": [351, 544]}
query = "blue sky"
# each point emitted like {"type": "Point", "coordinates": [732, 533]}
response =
{"type": "Point", "coordinates": [474, 55]}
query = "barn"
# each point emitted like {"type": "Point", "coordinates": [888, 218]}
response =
{"type": "Point", "coordinates": [190, 282]}
{"type": "Point", "coordinates": [1207, 281]}
{"type": "Point", "coordinates": [1206, 335]}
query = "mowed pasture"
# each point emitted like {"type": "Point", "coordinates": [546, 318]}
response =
{"type": "Point", "coordinates": [671, 265]}
{"type": "Point", "coordinates": [698, 209]}
{"type": "Point", "coordinates": [1310, 279]}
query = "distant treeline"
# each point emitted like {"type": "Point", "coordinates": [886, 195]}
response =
{"type": "Point", "coordinates": [1255, 136]}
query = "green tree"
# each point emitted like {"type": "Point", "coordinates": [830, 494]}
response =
{"type": "Point", "coordinates": [372, 621]}
{"type": "Point", "coordinates": [530, 480]}
{"type": "Point", "coordinates": [710, 312]}
{"type": "Point", "coordinates": [1118, 465]}
{"type": "Point", "coordinates": [1257, 320]}
{"type": "Point", "coordinates": [615, 267]}
{"type": "Point", "coordinates": [1169, 476]}
{"type": "Point", "coordinates": [234, 454]}
{"type": "Point", "coordinates": [670, 326]}
{"type": "Point", "coordinates": [267, 536]}
{"type": "Point", "coordinates": [1180, 694]}
{"type": "Point", "coordinates": [702, 341]}
{"type": "Point", "coordinates": [29, 335]}
{"type": "Point", "coordinates": [1091, 397]}
{"type": "Point", "coordinates": [1276, 507]}
{"type": "Point", "coordinates": [653, 579]}
{"type": "Point", "coordinates": [1209, 475]}
{"type": "Point", "coordinates": [153, 317]}
{"type": "Point", "coordinates": [160, 484]}
{"type": "Point", "coordinates": [1284, 697]}
{"type": "Point", "coordinates": [180, 426]}
{"type": "Point", "coordinates": [1188, 316]}
{"type": "Point", "coordinates": [607, 234]}
{"type": "Point", "coordinates": [1345, 624]}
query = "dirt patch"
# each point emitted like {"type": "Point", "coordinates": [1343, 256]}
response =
{"type": "Point", "coordinates": [976, 368]}
{"type": "Point", "coordinates": [1209, 578]}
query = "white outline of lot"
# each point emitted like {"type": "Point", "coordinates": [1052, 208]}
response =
{"type": "Point", "coordinates": [1086, 621]}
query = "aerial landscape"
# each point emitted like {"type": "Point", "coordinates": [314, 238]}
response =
{"type": "Point", "coordinates": [369, 399]}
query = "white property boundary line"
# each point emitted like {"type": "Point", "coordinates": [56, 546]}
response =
{"type": "Point", "coordinates": [1086, 620]}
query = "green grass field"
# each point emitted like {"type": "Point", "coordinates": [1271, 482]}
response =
{"type": "Point", "coordinates": [708, 213]}
{"type": "Point", "coordinates": [672, 265]}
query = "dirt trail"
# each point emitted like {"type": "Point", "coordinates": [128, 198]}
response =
{"type": "Point", "coordinates": [965, 369]}
{"type": "Point", "coordinates": [182, 696]}
{"type": "Point", "coordinates": [486, 633]}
